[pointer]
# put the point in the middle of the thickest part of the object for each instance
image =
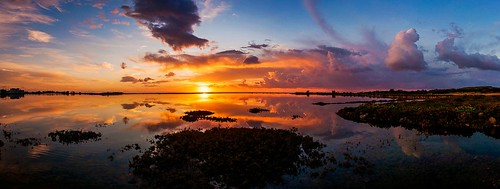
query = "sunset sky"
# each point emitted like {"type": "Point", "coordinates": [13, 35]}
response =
{"type": "Point", "coordinates": [248, 45]}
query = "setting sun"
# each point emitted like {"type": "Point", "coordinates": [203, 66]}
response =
{"type": "Point", "coordinates": [203, 89]}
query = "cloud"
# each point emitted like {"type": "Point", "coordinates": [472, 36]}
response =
{"type": "Point", "coordinates": [256, 46]}
{"type": "Point", "coordinates": [93, 67]}
{"type": "Point", "coordinates": [15, 75]}
{"type": "Point", "coordinates": [39, 36]}
{"type": "Point", "coordinates": [318, 18]}
{"type": "Point", "coordinates": [170, 74]}
{"type": "Point", "coordinates": [92, 24]}
{"type": "Point", "coordinates": [16, 13]}
{"type": "Point", "coordinates": [171, 21]}
{"type": "Point", "coordinates": [159, 58]}
{"type": "Point", "coordinates": [98, 5]}
{"type": "Point", "coordinates": [251, 60]}
{"type": "Point", "coordinates": [46, 4]}
{"type": "Point", "coordinates": [449, 52]}
{"type": "Point", "coordinates": [103, 17]}
{"type": "Point", "coordinates": [118, 22]}
{"type": "Point", "coordinates": [336, 51]}
{"type": "Point", "coordinates": [79, 33]}
{"type": "Point", "coordinates": [230, 52]}
{"type": "Point", "coordinates": [210, 10]}
{"type": "Point", "coordinates": [230, 57]}
{"type": "Point", "coordinates": [374, 50]}
{"type": "Point", "coordinates": [129, 79]}
{"type": "Point", "coordinates": [115, 11]}
{"type": "Point", "coordinates": [147, 81]}
{"type": "Point", "coordinates": [24, 12]}
{"type": "Point", "coordinates": [107, 66]}
{"type": "Point", "coordinates": [403, 54]}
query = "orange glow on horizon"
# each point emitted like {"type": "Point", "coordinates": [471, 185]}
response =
{"type": "Point", "coordinates": [203, 88]}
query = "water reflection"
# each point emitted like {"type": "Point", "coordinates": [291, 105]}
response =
{"type": "Point", "coordinates": [408, 142]}
{"type": "Point", "coordinates": [132, 119]}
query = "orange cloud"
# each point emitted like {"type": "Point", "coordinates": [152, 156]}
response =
{"type": "Point", "coordinates": [19, 76]}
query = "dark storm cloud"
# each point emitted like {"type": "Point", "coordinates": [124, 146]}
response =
{"type": "Point", "coordinates": [256, 46]}
{"type": "Point", "coordinates": [251, 60]}
{"type": "Point", "coordinates": [168, 20]}
{"type": "Point", "coordinates": [230, 52]}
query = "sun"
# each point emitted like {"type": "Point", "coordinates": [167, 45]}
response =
{"type": "Point", "coordinates": [203, 89]}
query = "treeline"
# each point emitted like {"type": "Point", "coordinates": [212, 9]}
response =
{"type": "Point", "coordinates": [393, 92]}
{"type": "Point", "coordinates": [74, 93]}
{"type": "Point", "coordinates": [16, 93]}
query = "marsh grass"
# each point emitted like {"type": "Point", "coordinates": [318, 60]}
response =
{"type": "Point", "coordinates": [459, 115]}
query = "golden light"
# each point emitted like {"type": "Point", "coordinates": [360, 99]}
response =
{"type": "Point", "coordinates": [203, 89]}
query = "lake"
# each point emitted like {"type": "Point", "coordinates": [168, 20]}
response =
{"type": "Point", "coordinates": [397, 157]}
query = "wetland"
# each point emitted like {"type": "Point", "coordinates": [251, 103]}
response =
{"type": "Point", "coordinates": [248, 141]}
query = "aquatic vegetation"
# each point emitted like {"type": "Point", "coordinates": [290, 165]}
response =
{"type": "Point", "coordinates": [258, 110]}
{"type": "Point", "coordinates": [228, 158]}
{"type": "Point", "coordinates": [7, 134]}
{"type": "Point", "coordinates": [358, 164]}
{"type": "Point", "coordinates": [28, 142]}
{"type": "Point", "coordinates": [460, 115]}
{"type": "Point", "coordinates": [130, 147]}
{"type": "Point", "coordinates": [74, 137]}
{"type": "Point", "coordinates": [192, 116]}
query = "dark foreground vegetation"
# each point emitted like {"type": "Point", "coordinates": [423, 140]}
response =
{"type": "Point", "coordinates": [74, 136]}
{"type": "Point", "coordinates": [229, 158]}
{"type": "Point", "coordinates": [458, 115]}
{"type": "Point", "coordinates": [196, 115]}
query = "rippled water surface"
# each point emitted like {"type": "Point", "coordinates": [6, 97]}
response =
{"type": "Point", "coordinates": [398, 157]}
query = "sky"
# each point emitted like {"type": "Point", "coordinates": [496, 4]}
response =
{"type": "Point", "coordinates": [241, 45]}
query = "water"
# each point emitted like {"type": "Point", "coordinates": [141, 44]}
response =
{"type": "Point", "coordinates": [400, 157]}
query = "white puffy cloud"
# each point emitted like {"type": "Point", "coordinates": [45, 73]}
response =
{"type": "Point", "coordinates": [39, 36]}
{"type": "Point", "coordinates": [210, 9]}
{"type": "Point", "coordinates": [403, 54]}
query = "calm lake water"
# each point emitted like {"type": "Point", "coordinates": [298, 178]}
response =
{"type": "Point", "coordinates": [400, 157]}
